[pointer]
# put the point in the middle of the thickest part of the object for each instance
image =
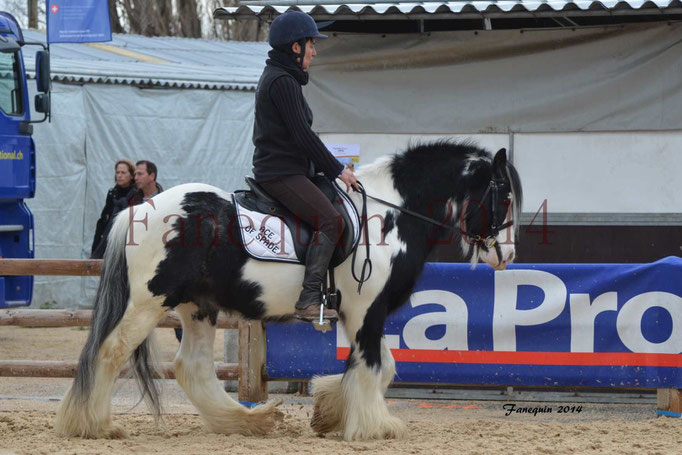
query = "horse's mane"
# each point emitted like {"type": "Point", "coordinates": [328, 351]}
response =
{"type": "Point", "coordinates": [435, 150]}
{"type": "Point", "coordinates": [476, 160]}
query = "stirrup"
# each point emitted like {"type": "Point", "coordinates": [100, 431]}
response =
{"type": "Point", "coordinates": [323, 325]}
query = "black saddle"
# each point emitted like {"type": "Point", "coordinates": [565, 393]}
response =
{"type": "Point", "coordinates": [257, 200]}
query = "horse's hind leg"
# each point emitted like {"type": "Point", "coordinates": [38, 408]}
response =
{"type": "Point", "coordinates": [86, 409]}
{"type": "Point", "coordinates": [195, 372]}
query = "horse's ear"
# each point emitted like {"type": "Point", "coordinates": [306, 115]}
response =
{"type": "Point", "coordinates": [500, 162]}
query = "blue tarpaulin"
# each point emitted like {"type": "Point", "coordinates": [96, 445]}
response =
{"type": "Point", "coordinates": [615, 325]}
{"type": "Point", "coordinates": [78, 21]}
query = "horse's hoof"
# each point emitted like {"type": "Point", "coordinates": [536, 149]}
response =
{"type": "Point", "coordinates": [261, 419]}
{"type": "Point", "coordinates": [115, 432]}
{"type": "Point", "coordinates": [395, 428]}
{"type": "Point", "coordinates": [321, 423]}
{"type": "Point", "coordinates": [391, 428]}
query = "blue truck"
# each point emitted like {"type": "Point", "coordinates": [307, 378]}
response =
{"type": "Point", "coordinates": [18, 154]}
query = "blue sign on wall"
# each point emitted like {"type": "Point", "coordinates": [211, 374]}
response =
{"type": "Point", "coordinates": [78, 21]}
{"type": "Point", "coordinates": [616, 325]}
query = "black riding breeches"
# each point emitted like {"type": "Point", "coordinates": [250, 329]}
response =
{"type": "Point", "coordinates": [298, 194]}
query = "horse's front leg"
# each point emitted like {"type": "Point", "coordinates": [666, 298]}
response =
{"type": "Point", "coordinates": [371, 369]}
{"type": "Point", "coordinates": [341, 399]}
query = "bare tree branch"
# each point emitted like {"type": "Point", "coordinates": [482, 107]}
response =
{"type": "Point", "coordinates": [114, 17]}
{"type": "Point", "coordinates": [190, 24]}
{"type": "Point", "coordinates": [32, 13]}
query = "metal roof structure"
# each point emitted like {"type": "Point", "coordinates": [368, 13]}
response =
{"type": "Point", "coordinates": [164, 62]}
{"type": "Point", "coordinates": [323, 10]}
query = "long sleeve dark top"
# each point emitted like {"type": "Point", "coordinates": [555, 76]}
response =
{"type": "Point", "coordinates": [286, 95]}
{"type": "Point", "coordinates": [285, 142]}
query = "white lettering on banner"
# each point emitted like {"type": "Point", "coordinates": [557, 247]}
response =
{"type": "Point", "coordinates": [629, 322]}
{"type": "Point", "coordinates": [506, 317]}
{"type": "Point", "coordinates": [454, 318]}
{"type": "Point", "coordinates": [583, 315]}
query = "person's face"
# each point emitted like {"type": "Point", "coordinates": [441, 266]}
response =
{"type": "Point", "coordinates": [310, 52]}
{"type": "Point", "coordinates": [123, 177]}
{"type": "Point", "coordinates": [142, 178]}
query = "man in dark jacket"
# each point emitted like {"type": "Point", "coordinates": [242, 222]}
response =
{"type": "Point", "coordinates": [288, 152]}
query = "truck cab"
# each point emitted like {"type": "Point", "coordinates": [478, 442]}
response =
{"type": "Point", "coordinates": [17, 156]}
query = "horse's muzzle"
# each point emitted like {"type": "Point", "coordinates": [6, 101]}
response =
{"type": "Point", "coordinates": [501, 266]}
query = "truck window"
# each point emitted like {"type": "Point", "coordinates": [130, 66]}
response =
{"type": "Point", "coordinates": [10, 85]}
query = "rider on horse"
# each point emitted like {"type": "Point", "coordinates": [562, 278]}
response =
{"type": "Point", "coordinates": [288, 152]}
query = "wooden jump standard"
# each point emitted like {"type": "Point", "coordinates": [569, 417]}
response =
{"type": "Point", "coordinates": [250, 371]}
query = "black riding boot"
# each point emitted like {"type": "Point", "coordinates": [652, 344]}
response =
{"type": "Point", "coordinates": [317, 262]}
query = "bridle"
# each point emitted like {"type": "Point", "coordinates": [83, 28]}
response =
{"type": "Point", "coordinates": [496, 188]}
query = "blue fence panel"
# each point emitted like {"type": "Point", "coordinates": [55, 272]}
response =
{"type": "Point", "coordinates": [616, 325]}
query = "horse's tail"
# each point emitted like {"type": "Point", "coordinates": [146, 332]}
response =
{"type": "Point", "coordinates": [79, 410]}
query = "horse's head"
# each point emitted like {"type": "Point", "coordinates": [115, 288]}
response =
{"type": "Point", "coordinates": [490, 214]}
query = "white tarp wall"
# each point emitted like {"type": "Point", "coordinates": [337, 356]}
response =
{"type": "Point", "coordinates": [191, 135]}
{"type": "Point", "coordinates": [593, 116]}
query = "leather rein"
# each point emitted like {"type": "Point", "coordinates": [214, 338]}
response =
{"type": "Point", "coordinates": [489, 241]}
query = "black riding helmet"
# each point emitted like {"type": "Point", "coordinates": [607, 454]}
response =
{"type": "Point", "coordinates": [293, 27]}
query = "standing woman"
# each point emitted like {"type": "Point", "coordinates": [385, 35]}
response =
{"type": "Point", "coordinates": [288, 152]}
{"type": "Point", "coordinates": [124, 179]}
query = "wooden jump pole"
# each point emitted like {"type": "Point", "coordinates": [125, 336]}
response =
{"type": "Point", "coordinates": [65, 267]}
{"type": "Point", "coordinates": [81, 318]}
{"type": "Point", "coordinates": [67, 369]}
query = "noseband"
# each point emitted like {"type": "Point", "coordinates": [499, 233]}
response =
{"type": "Point", "coordinates": [496, 187]}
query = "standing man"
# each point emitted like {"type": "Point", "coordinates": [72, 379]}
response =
{"type": "Point", "coordinates": [288, 152]}
{"type": "Point", "coordinates": [145, 181]}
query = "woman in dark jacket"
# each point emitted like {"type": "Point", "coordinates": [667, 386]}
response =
{"type": "Point", "coordinates": [124, 180]}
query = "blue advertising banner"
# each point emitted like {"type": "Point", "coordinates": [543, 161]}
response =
{"type": "Point", "coordinates": [614, 325]}
{"type": "Point", "coordinates": [78, 21]}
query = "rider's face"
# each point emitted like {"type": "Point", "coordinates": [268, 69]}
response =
{"type": "Point", "coordinates": [310, 52]}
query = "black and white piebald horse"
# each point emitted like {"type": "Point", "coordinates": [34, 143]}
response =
{"type": "Point", "coordinates": [178, 252]}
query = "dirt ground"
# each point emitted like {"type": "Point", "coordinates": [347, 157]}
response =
{"type": "Point", "coordinates": [28, 405]}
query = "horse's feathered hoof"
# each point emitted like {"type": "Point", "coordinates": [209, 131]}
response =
{"type": "Point", "coordinates": [261, 419]}
{"type": "Point", "coordinates": [115, 432]}
{"type": "Point", "coordinates": [391, 428]}
{"type": "Point", "coordinates": [328, 407]}
{"type": "Point", "coordinates": [322, 424]}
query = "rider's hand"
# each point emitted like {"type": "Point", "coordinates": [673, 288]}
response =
{"type": "Point", "coordinates": [349, 179]}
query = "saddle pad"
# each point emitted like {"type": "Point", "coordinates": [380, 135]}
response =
{"type": "Point", "coordinates": [265, 236]}
{"type": "Point", "coordinates": [269, 237]}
